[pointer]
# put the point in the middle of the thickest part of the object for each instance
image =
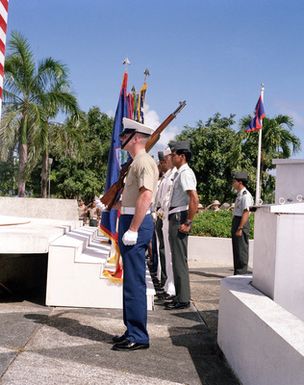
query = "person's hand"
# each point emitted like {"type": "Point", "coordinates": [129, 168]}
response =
{"type": "Point", "coordinates": [130, 238]}
{"type": "Point", "coordinates": [239, 232]}
{"type": "Point", "coordinates": [184, 228]}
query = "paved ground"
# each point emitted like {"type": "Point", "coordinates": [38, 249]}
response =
{"type": "Point", "coordinates": [61, 346]}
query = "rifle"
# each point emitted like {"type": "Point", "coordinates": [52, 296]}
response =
{"type": "Point", "coordinates": [113, 193]}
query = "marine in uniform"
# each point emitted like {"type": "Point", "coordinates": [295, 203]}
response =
{"type": "Point", "coordinates": [240, 223]}
{"type": "Point", "coordinates": [134, 234]}
{"type": "Point", "coordinates": [183, 207]}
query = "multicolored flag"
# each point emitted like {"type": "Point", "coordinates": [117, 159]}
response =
{"type": "Point", "coordinates": [257, 122]}
{"type": "Point", "coordinates": [140, 103]}
{"type": "Point", "coordinates": [109, 217]}
{"type": "Point", "coordinates": [3, 28]}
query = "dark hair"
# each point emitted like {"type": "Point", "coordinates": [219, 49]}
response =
{"type": "Point", "coordinates": [187, 154]}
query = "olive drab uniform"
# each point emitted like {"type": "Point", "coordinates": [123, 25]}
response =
{"type": "Point", "coordinates": [240, 244]}
{"type": "Point", "coordinates": [183, 181]}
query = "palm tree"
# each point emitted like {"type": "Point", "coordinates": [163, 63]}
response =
{"type": "Point", "coordinates": [278, 141]}
{"type": "Point", "coordinates": [32, 96]}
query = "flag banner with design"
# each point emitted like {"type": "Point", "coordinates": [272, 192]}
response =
{"type": "Point", "coordinates": [140, 104]}
{"type": "Point", "coordinates": [256, 122]}
{"type": "Point", "coordinates": [108, 225]}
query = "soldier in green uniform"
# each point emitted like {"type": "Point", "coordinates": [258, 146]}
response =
{"type": "Point", "coordinates": [240, 223]}
{"type": "Point", "coordinates": [183, 207]}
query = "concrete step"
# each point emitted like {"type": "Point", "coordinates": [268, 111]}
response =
{"type": "Point", "coordinates": [75, 278]}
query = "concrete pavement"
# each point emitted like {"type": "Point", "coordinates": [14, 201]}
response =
{"type": "Point", "coordinates": [61, 346]}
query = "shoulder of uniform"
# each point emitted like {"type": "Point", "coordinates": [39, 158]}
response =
{"type": "Point", "coordinates": [244, 192]}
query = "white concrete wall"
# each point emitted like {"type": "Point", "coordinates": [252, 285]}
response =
{"type": "Point", "coordinates": [210, 251]}
{"type": "Point", "coordinates": [289, 179]}
{"type": "Point", "coordinates": [65, 209]}
{"type": "Point", "coordinates": [263, 343]}
{"type": "Point", "coordinates": [279, 256]}
{"type": "Point", "coordinates": [265, 235]}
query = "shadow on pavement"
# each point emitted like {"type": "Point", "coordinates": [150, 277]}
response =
{"type": "Point", "coordinates": [70, 326]}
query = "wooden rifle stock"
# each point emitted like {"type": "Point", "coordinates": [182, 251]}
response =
{"type": "Point", "coordinates": [113, 193]}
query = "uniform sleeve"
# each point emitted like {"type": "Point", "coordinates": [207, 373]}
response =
{"type": "Point", "coordinates": [188, 180]}
{"type": "Point", "coordinates": [247, 202]}
{"type": "Point", "coordinates": [146, 176]}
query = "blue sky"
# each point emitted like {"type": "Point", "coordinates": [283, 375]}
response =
{"type": "Point", "coordinates": [212, 53]}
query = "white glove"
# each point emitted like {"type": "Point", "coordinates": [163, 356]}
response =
{"type": "Point", "coordinates": [130, 238]}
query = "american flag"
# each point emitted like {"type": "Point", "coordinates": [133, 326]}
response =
{"type": "Point", "coordinates": [3, 28]}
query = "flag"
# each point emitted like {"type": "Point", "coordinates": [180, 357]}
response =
{"type": "Point", "coordinates": [3, 28]}
{"type": "Point", "coordinates": [140, 103]}
{"type": "Point", "coordinates": [109, 217]}
{"type": "Point", "coordinates": [257, 122]}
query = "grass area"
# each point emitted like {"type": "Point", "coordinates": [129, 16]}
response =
{"type": "Point", "coordinates": [216, 224]}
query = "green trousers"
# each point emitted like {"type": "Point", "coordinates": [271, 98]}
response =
{"type": "Point", "coordinates": [240, 246]}
{"type": "Point", "coordinates": [179, 249]}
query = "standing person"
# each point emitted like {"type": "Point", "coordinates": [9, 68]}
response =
{"type": "Point", "coordinates": [167, 192]}
{"type": "Point", "coordinates": [240, 223]}
{"type": "Point", "coordinates": [183, 207]}
{"type": "Point", "coordinates": [159, 219]}
{"type": "Point", "coordinates": [93, 214]}
{"type": "Point", "coordinates": [134, 234]}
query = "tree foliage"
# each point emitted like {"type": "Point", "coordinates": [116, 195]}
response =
{"type": "Point", "coordinates": [33, 94]}
{"type": "Point", "coordinates": [81, 172]}
{"type": "Point", "coordinates": [216, 150]}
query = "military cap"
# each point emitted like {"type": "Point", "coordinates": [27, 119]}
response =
{"type": "Point", "coordinates": [167, 151]}
{"type": "Point", "coordinates": [241, 176]}
{"type": "Point", "coordinates": [131, 125]}
{"type": "Point", "coordinates": [183, 145]}
{"type": "Point", "coordinates": [160, 155]}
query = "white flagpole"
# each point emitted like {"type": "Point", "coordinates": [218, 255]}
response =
{"type": "Point", "coordinates": [258, 185]}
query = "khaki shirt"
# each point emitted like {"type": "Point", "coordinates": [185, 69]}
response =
{"type": "Point", "coordinates": [143, 172]}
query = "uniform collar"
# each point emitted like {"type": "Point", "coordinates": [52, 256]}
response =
{"type": "Point", "coordinates": [241, 191]}
{"type": "Point", "coordinates": [183, 167]}
{"type": "Point", "coordinates": [140, 152]}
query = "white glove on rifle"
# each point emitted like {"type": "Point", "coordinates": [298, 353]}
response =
{"type": "Point", "coordinates": [130, 238]}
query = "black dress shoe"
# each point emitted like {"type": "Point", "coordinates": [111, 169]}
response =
{"type": "Point", "coordinates": [128, 346]}
{"type": "Point", "coordinates": [117, 339]}
{"type": "Point", "coordinates": [177, 305]}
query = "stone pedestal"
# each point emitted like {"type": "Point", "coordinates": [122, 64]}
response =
{"type": "Point", "coordinates": [261, 323]}
{"type": "Point", "coordinates": [278, 261]}
{"type": "Point", "coordinates": [289, 180]}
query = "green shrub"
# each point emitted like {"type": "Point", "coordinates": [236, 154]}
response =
{"type": "Point", "coordinates": [216, 224]}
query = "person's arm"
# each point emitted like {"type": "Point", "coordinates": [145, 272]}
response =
{"type": "Point", "coordinates": [143, 203]}
{"type": "Point", "coordinates": [193, 205]}
{"type": "Point", "coordinates": [244, 220]}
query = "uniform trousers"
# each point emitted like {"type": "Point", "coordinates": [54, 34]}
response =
{"type": "Point", "coordinates": [179, 249]}
{"type": "Point", "coordinates": [169, 286]}
{"type": "Point", "coordinates": [240, 246]}
{"type": "Point", "coordinates": [161, 250]}
{"type": "Point", "coordinates": [134, 281]}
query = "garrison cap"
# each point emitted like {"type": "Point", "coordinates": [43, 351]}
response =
{"type": "Point", "coordinates": [241, 176]}
{"type": "Point", "coordinates": [167, 151]}
{"type": "Point", "coordinates": [183, 145]}
{"type": "Point", "coordinates": [131, 125]}
{"type": "Point", "coordinates": [160, 155]}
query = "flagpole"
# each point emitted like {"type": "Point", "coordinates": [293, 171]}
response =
{"type": "Point", "coordinates": [258, 191]}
